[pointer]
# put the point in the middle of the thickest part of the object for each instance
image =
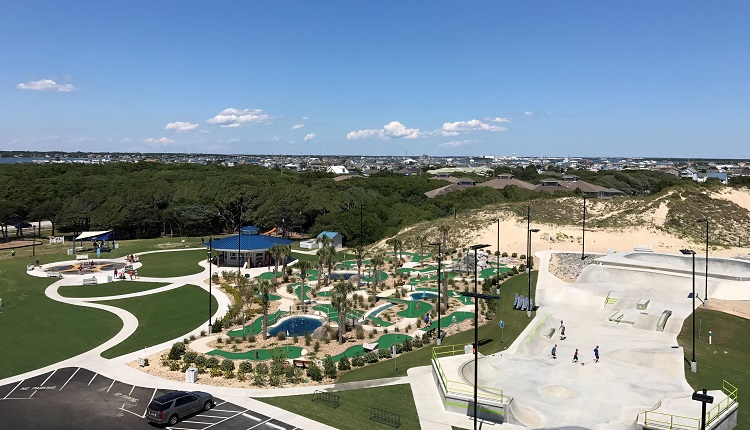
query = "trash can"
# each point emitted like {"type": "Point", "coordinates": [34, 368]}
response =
{"type": "Point", "coordinates": [468, 349]}
{"type": "Point", "coordinates": [191, 375]}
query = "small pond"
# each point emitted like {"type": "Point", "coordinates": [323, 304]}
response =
{"type": "Point", "coordinates": [295, 326]}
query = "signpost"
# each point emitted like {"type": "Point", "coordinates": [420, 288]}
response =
{"type": "Point", "coordinates": [502, 331]}
{"type": "Point", "coordinates": [393, 351]}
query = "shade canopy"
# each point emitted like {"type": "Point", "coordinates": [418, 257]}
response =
{"type": "Point", "coordinates": [95, 235]}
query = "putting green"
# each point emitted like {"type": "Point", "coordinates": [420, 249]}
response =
{"type": "Point", "coordinates": [414, 308]}
{"type": "Point", "coordinates": [486, 273]}
{"type": "Point", "coordinates": [257, 326]}
{"type": "Point", "coordinates": [300, 295]}
{"type": "Point", "coordinates": [454, 318]}
{"type": "Point", "coordinates": [262, 354]}
{"type": "Point", "coordinates": [269, 275]}
{"type": "Point", "coordinates": [333, 314]}
{"type": "Point", "coordinates": [384, 341]}
{"type": "Point", "coordinates": [382, 275]}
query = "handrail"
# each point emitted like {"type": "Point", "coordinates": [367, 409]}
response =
{"type": "Point", "coordinates": [537, 327]}
{"type": "Point", "coordinates": [725, 403]}
{"type": "Point", "coordinates": [490, 393]}
{"type": "Point", "coordinates": [607, 298]}
{"type": "Point", "coordinates": [670, 423]}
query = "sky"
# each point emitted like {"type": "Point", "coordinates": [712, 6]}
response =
{"type": "Point", "coordinates": [530, 78]}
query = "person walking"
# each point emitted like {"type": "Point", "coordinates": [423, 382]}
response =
{"type": "Point", "coordinates": [562, 331]}
{"type": "Point", "coordinates": [596, 354]}
{"type": "Point", "coordinates": [554, 351]}
{"type": "Point", "coordinates": [12, 252]}
{"type": "Point", "coordinates": [575, 356]}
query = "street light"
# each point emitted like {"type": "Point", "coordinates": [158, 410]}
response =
{"type": "Point", "coordinates": [497, 268]}
{"type": "Point", "coordinates": [583, 228]}
{"type": "Point", "coordinates": [705, 297]}
{"type": "Point", "coordinates": [476, 297]}
{"type": "Point", "coordinates": [440, 291]}
{"type": "Point", "coordinates": [33, 239]}
{"type": "Point", "coordinates": [529, 230]}
{"type": "Point", "coordinates": [693, 364]}
{"type": "Point", "coordinates": [210, 281]}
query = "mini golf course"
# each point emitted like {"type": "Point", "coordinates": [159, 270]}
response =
{"type": "Point", "coordinates": [257, 326]}
{"type": "Point", "coordinates": [260, 354]}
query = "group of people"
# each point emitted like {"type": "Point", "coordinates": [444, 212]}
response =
{"type": "Point", "coordinates": [575, 354]}
{"type": "Point", "coordinates": [131, 258]}
{"type": "Point", "coordinates": [120, 274]}
{"type": "Point", "coordinates": [88, 264]}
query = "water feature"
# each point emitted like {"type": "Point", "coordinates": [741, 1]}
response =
{"type": "Point", "coordinates": [342, 276]}
{"type": "Point", "coordinates": [423, 295]}
{"type": "Point", "coordinates": [298, 326]}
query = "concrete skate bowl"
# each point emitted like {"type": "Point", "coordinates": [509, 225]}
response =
{"type": "Point", "coordinates": [516, 413]}
{"type": "Point", "coordinates": [558, 392]}
{"type": "Point", "coordinates": [85, 267]}
{"type": "Point", "coordinates": [667, 360]}
{"type": "Point", "coordinates": [722, 268]}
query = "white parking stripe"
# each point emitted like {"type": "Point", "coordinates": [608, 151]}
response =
{"type": "Point", "coordinates": [251, 417]}
{"type": "Point", "coordinates": [212, 416]}
{"type": "Point", "coordinates": [123, 409]}
{"type": "Point", "coordinates": [238, 413]}
{"type": "Point", "coordinates": [224, 410]}
{"type": "Point", "coordinates": [149, 402]}
{"type": "Point", "coordinates": [71, 377]}
{"type": "Point", "coordinates": [42, 384]}
{"type": "Point", "coordinates": [259, 424]}
{"type": "Point", "coordinates": [219, 404]}
{"type": "Point", "coordinates": [92, 379]}
{"type": "Point", "coordinates": [110, 385]}
{"type": "Point", "coordinates": [275, 426]}
{"type": "Point", "coordinates": [14, 389]}
{"type": "Point", "coordinates": [195, 422]}
{"type": "Point", "coordinates": [131, 390]}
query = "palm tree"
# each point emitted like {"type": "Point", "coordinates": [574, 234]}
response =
{"type": "Point", "coordinates": [304, 266]}
{"type": "Point", "coordinates": [359, 252]}
{"type": "Point", "coordinates": [421, 239]}
{"type": "Point", "coordinates": [444, 229]}
{"type": "Point", "coordinates": [339, 301]}
{"type": "Point", "coordinates": [377, 261]}
{"type": "Point", "coordinates": [322, 255]}
{"type": "Point", "coordinates": [396, 244]}
{"type": "Point", "coordinates": [329, 260]}
{"type": "Point", "coordinates": [286, 252]}
{"type": "Point", "coordinates": [275, 252]}
{"type": "Point", "coordinates": [263, 289]}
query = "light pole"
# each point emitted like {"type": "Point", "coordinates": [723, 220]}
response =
{"type": "Point", "coordinates": [476, 297]}
{"type": "Point", "coordinates": [529, 230]}
{"type": "Point", "coordinates": [239, 251]}
{"type": "Point", "coordinates": [705, 297]}
{"type": "Point", "coordinates": [497, 269]}
{"type": "Point", "coordinates": [440, 291]}
{"type": "Point", "coordinates": [693, 364]}
{"type": "Point", "coordinates": [583, 232]}
{"type": "Point", "coordinates": [33, 240]}
{"type": "Point", "coordinates": [210, 281]}
{"type": "Point", "coordinates": [360, 224]}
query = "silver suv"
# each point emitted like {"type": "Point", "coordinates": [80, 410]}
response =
{"type": "Point", "coordinates": [169, 408]}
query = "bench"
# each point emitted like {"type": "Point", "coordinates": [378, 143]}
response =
{"type": "Point", "coordinates": [79, 248]}
{"type": "Point", "coordinates": [385, 417]}
{"type": "Point", "coordinates": [329, 399]}
{"type": "Point", "coordinates": [54, 274]}
{"type": "Point", "coordinates": [82, 257]}
{"type": "Point", "coordinates": [90, 281]}
{"type": "Point", "coordinates": [370, 346]}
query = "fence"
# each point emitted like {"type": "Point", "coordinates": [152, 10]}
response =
{"type": "Point", "coordinates": [679, 422]}
{"type": "Point", "coordinates": [488, 393]}
{"type": "Point", "coordinates": [731, 392]}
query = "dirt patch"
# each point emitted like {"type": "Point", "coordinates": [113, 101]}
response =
{"type": "Point", "coordinates": [740, 308]}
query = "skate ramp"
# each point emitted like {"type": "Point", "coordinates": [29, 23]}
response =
{"type": "Point", "coordinates": [665, 360]}
{"type": "Point", "coordinates": [678, 262]}
{"type": "Point", "coordinates": [538, 341]}
{"type": "Point", "coordinates": [518, 414]}
{"type": "Point", "coordinates": [595, 274]}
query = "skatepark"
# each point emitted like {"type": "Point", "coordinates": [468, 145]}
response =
{"type": "Point", "coordinates": [631, 306]}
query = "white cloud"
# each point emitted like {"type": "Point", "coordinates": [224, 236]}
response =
{"type": "Point", "coordinates": [159, 140]}
{"type": "Point", "coordinates": [46, 85]}
{"type": "Point", "coordinates": [456, 143]}
{"type": "Point", "coordinates": [305, 118]}
{"type": "Point", "coordinates": [309, 137]}
{"type": "Point", "coordinates": [393, 129]}
{"type": "Point", "coordinates": [125, 140]}
{"type": "Point", "coordinates": [498, 119]}
{"type": "Point", "coordinates": [458, 127]}
{"type": "Point", "coordinates": [231, 117]}
{"type": "Point", "coordinates": [181, 126]}
{"type": "Point", "coordinates": [527, 113]}
{"type": "Point", "coordinates": [297, 126]}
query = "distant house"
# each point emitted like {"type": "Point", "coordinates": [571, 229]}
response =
{"type": "Point", "coordinates": [505, 180]}
{"type": "Point", "coordinates": [689, 174]}
{"type": "Point", "coordinates": [336, 238]}
{"type": "Point", "coordinates": [572, 183]}
{"type": "Point", "coordinates": [337, 170]}
{"type": "Point", "coordinates": [467, 182]}
{"type": "Point", "coordinates": [721, 176]}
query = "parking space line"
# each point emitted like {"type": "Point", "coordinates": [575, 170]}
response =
{"type": "Point", "coordinates": [212, 416]}
{"type": "Point", "coordinates": [228, 418]}
{"type": "Point", "coordinates": [14, 389]}
{"type": "Point", "coordinates": [126, 410]}
{"type": "Point", "coordinates": [92, 379]}
{"type": "Point", "coordinates": [274, 425]}
{"type": "Point", "coordinates": [42, 384]}
{"type": "Point", "coordinates": [259, 424]}
{"type": "Point", "coordinates": [219, 404]}
{"type": "Point", "coordinates": [195, 422]}
{"type": "Point", "coordinates": [251, 417]}
{"type": "Point", "coordinates": [131, 391]}
{"type": "Point", "coordinates": [110, 385]}
{"type": "Point", "coordinates": [71, 377]}
{"type": "Point", "coordinates": [179, 428]}
{"type": "Point", "coordinates": [149, 402]}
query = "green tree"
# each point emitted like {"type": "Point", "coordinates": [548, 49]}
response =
{"type": "Point", "coordinates": [303, 266]}
{"type": "Point", "coordinates": [377, 261]}
{"type": "Point", "coordinates": [263, 289]}
{"type": "Point", "coordinates": [342, 304]}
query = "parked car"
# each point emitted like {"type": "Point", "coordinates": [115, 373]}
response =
{"type": "Point", "coordinates": [171, 407]}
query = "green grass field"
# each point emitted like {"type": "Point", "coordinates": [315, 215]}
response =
{"type": "Point", "coordinates": [725, 359]}
{"type": "Point", "coordinates": [171, 264]}
{"type": "Point", "coordinates": [490, 337]}
{"type": "Point", "coordinates": [111, 289]}
{"type": "Point", "coordinates": [355, 406]}
{"type": "Point", "coordinates": [39, 331]}
{"type": "Point", "coordinates": [162, 317]}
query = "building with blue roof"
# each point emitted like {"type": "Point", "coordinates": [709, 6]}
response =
{"type": "Point", "coordinates": [248, 246]}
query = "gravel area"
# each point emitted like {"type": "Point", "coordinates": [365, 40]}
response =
{"type": "Point", "coordinates": [568, 266]}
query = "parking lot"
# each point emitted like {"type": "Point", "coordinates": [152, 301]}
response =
{"type": "Point", "coordinates": [79, 398]}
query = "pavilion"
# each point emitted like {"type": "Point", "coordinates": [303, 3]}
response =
{"type": "Point", "coordinates": [247, 246]}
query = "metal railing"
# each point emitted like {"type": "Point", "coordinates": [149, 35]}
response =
{"type": "Point", "coordinates": [679, 422]}
{"type": "Point", "coordinates": [488, 393]}
{"type": "Point", "coordinates": [725, 403]}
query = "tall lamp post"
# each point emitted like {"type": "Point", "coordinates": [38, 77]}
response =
{"type": "Point", "coordinates": [210, 281]}
{"type": "Point", "coordinates": [693, 364]}
{"type": "Point", "coordinates": [529, 230]}
{"type": "Point", "coordinates": [33, 239]}
{"type": "Point", "coordinates": [705, 297]}
{"type": "Point", "coordinates": [440, 290]}
{"type": "Point", "coordinates": [476, 297]}
{"type": "Point", "coordinates": [583, 231]}
{"type": "Point", "coordinates": [497, 269]}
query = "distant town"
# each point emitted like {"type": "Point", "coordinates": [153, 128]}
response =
{"type": "Point", "coordinates": [698, 170]}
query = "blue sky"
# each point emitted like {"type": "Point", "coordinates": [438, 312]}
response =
{"type": "Point", "coordinates": [578, 78]}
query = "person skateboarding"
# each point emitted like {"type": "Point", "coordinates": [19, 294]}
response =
{"type": "Point", "coordinates": [554, 351]}
{"type": "Point", "coordinates": [575, 356]}
{"type": "Point", "coordinates": [596, 354]}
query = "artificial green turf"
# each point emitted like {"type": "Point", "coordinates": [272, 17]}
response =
{"type": "Point", "coordinates": [302, 296]}
{"type": "Point", "coordinates": [257, 326]}
{"type": "Point", "coordinates": [171, 264]}
{"type": "Point", "coordinates": [263, 354]}
{"type": "Point", "coordinates": [38, 331]}
{"type": "Point", "coordinates": [415, 309]}
{"type": "Point", "coordinates": [269, 275]}
{"type": "Point", "coordinates": [725, 359]}
{"type": "Point", "coordinates": [490, 337]}
{"type": "Point", "coordinates": [162, 317]}
{"type": "Point", "coordinates": [109, 289]}
{"type": "Point", "coordinates": [384, 341]}
{"type": "Point", "coordinates": [355, 406]}
{"type": "Point", "coordinates": [454, 318]}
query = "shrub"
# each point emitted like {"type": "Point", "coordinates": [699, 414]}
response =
{"type": "Point", "coordinates": [229, 374]}
{"type": "Point", "coordinates": [396, 329]}
{"type": "Point", "coordinates": [145, 362]}
{"type": "Point", "coordinates": [246, 366]}
{"type": "Point", "coordinates": [217, 326]}
{"type": "Point", "coordinates": [261, 368]}
{"type": "Point", "coordinates": [345, 364]}
{"type": "Point", "coordinates": [200, 361]}
{"type": "Point", "coordinates": [227, 365]}
{"type": "Point", "coordinates": [190, 356]}
{"type": "Point", "coordinates": [522, 257]}
{"type": "Point", "coordinates": [308, 339]}
{"type": "Point", "coordinates": [505, 254]}
{"type": "Point", "coordinates": [185, 341]}
{"type": "Point", "coordinates": [416, 342]}
{"type": "Point", "coordinates": [212, 362]}
{"type": "Point", "coordinates": [241, 377]}
{"type": "Point", "coordinates": [316, 347]}
{"type": "Point", "coordinates": [371, 357]}
{"type": "Point", "coordinates": [203, 333]}
{"type": "Point", "coordinates": [406, 346]}
{"type": "Point", "coordinates": [215, 372]}
{"type": "Point", "coordinates": [358, 361]}
{"type": "Point", "coordinates": [192, 337]}
{"type": "Point", "coordinates": [360, 332]}
{"type": "Point", "coordinates": [251, 338]}
{"type": "Point", "coordinates": [371, 335]}
{"type": "Point", "coordinates": [178, 349]}
{"type": "Point", "coordinates": [384, 353]}
{"type": "Point", "coordinates": [277, 365]}
{"type": "Point", "coordinates": [219, 340]}
{"type": "Point", "coordinates": [281, 335]}
{"type": "Point", "coordinates": [313, 372]}
{"type": "Point", "coordinates": [174, 366]}
{"type": "Point", "coordinates": [295, 339]}
{"type": "Point", "coordinates": [514, 255]}
{"type": "Point", "coordinates": [329, 367]}
{"type": "Point", "coordinates": [274, 380]}
{"type": "Point", "coordinates": [293, 375]}
{"type": "Point", "coordinates": [385, 330]}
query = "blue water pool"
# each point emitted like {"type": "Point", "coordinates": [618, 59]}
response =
{"type": "Point", "coordinates": [423, 295]}
{"type": "Point", "coordinates": [296, 326]}
{"type": "Point", "coordinates": [341, 276]}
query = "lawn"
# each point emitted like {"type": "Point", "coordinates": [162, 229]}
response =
{"type": "Point", "coordinates": [38, 331]}
{"type": "Point", "coordinates": [110, 289]}
{"type": "Point", "coordinates": [171, 264]}
{"type": "Point", "coordinates": [725, 359]}
{"type": "Point", "coordinates": [490, 337]}
{"type": "Point", "coordinates": [162, 317]}
{"type": "Point", "coordinates": [355, 406]}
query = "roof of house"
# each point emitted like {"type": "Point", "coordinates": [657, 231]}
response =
{"type": "Point", "coordinates": [500, 183]}
{"type": "Point", "coordinates": [445, 190]}
{"type": "Point", "coordinates": [248, 242]}
{"type": "Point", "coordinates": [584, 186]}
{"type": "Point", "coordinates": [329, 234]}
